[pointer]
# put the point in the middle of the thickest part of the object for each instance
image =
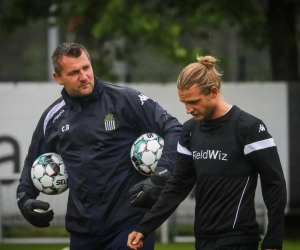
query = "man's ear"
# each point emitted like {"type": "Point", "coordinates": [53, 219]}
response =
{"type": "Point", "coordinates": [214, 91]}
{"type": "Point", "coordinates": [57, 78]}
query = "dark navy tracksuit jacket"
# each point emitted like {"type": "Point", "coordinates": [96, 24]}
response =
{"type": "Point", "coordinates": [94, 135]}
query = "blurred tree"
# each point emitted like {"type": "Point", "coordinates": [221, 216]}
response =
{"type": "Point", "coordinates": [170, 27]}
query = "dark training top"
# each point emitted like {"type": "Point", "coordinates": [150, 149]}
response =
{"type": "Point", "coordinates": [94, 136]}
{"type": "Point", "coordinates": [224, 157]}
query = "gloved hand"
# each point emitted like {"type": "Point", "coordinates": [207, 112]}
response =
{"type": "Point", "coordinates": [146, 192]}
{"type": "Point", "coordinates": [36, 212]}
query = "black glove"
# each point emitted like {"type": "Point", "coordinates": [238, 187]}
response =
{"type": "Point", "coordinates": [36, 212]}
{"type": "Point", "coordinates": [146, 192]}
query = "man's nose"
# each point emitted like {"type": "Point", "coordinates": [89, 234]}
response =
{"type": "Point", "coordinates": [188, 108]}
{"type": "Point", "coordinates": [82, 75]}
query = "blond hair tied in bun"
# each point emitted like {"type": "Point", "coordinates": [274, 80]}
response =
{"type": "Point", "coordinates": [204, 73]}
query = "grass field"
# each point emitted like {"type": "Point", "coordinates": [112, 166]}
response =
{"type": "Point", "coordinates": [288, 245]}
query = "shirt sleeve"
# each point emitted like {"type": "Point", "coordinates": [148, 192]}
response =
{"type": "Point", "coordinates": [261, 150]}
{"type": "Point", "coordinates": [36, 148]}
{"type": "Point", "coordinates": [176, 190]}
{"type": "Point", "coordinates": [149, 116]}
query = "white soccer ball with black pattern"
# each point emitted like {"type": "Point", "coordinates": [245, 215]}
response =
{"type": "Point", "coordinates": [145, 153]}
{"type": "Point", "coordinates": [49, 174]}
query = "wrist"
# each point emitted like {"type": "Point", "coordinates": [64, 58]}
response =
{"type": "Point", "coordinates": [22, 198]}
{"type": "Point", "coordinates": [160, 176]}
{"type": "Point", "coordinates": [142, 232]}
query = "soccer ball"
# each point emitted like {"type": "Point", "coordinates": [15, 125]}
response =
{"type": "Point", "coordinates": [145, 153]}
{"type": "Point", "coordinates": [49, 174]}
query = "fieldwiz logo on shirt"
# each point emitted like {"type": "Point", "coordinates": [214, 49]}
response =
{"type": "Point", "coordinates": [210, 155]}
{"type": "Point", "coordinates": [109, 122]}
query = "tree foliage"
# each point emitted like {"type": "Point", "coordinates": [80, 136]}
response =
{"type": "Point", "coordinates": [170, 27]}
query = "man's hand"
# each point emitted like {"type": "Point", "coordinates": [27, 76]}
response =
{"type": "Point", "coordinates": [37, 213]}
{"type": "Point", "coordinates": [146, 192]}
{"type": "Point", "coordinates": [135, 240]}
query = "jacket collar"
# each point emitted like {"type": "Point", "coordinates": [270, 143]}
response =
{"type": "Point", "coordinates": [95, 95]}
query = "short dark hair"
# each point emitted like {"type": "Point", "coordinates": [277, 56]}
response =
{"type": "Point", "coordinates": [66, 49]}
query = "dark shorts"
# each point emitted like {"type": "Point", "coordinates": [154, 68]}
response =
{"type": "Point", "coordinates": [115, 240]}
{"type": "Point", "coordinates": [239, 242]}
{"type": "Point", "coordinates": [239, 247]}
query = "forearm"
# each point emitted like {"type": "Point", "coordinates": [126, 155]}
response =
{"type": "Point", "coordinates": [26, 184]}
{"type": "Point", "coordinates": [276, 214]}
{"type": "Point", "coordinates": [163, 208]}
{"type": "Point", "coordinates": [275, 196]}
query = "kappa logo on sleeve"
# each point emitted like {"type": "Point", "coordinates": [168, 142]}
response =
{"type": "Point", "coordinates": [261, 128]}
{"type": "Point", "coordinates": [143, 98]}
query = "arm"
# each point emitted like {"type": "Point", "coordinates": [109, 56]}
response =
{"type": "Point", "coordinates": [261, 150]}
{"type": "Point", "coordinates": [36, 212]}
{"type": "Point", "coordinates": [36, 148]}
{"type": "Point", "coordinates": [176, 190]}
{"type": "Point", "coordinates": [149, 116]}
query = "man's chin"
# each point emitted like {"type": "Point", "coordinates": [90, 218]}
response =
{"type": "Point", "coordinates": [85, 91]}
{"type": "Point", "coordinates": [198, 117]}
{"type": "Point", "coordinates": [83, 94]}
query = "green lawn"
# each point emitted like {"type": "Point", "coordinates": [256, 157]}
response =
{"type": "Point", "coordinates": [288, 245]}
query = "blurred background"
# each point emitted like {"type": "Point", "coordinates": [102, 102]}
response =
{"type": "Point", "coordinates": [145, 44]}
{"type": "Point", "coordinates": [130, 41]}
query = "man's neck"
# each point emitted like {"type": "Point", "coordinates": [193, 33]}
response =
{"type": "Point", "coordinates": [221, 109]}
